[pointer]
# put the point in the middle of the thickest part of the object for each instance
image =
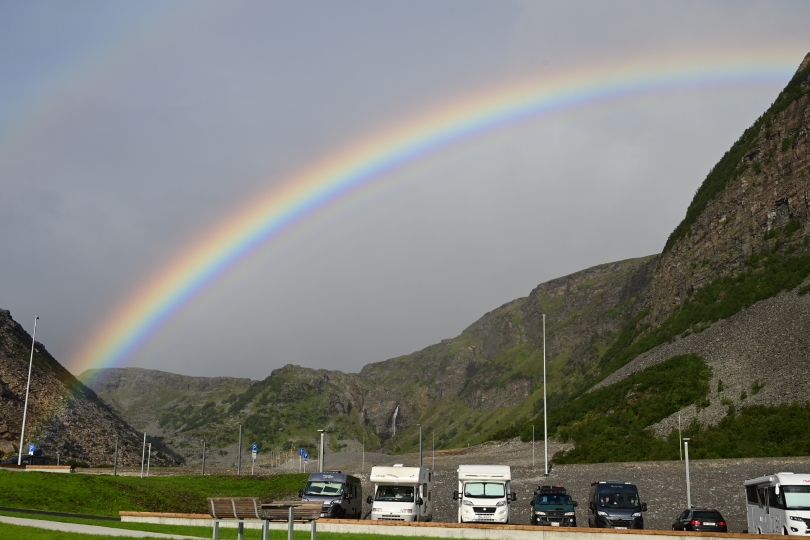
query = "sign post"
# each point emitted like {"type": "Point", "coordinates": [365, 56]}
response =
{"type": "Point", "coordinates": [306, 459]}
{"type": "Point", "coordinates": [254, 453]}
{"type": "Point", "coordinates": [301, 452]}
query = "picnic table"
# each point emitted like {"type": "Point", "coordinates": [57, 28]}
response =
{"type": "Point", "coordinates": [240, 509]}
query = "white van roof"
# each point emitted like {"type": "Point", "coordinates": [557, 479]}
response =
{"type": "Point", "coordinates": [472, 472]}
{"type": "Point", "coordinates": [784, 478]}
{"type": "Point", "coordinates": [395, 475]}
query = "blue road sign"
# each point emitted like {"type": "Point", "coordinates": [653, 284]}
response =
{"type": "Point", "coordinates": [255, 447]}
{"type": "Point", "coordinates": [31, 448]}
{"type": "Point", "coordinates": [306, 456]}
{"type": "Point", "coordinates": [302, 451]}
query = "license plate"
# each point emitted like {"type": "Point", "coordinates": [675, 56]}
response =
{"type": "Point", "coordinates": [555, 524]}
{"type": "Point", "coordinates": [619, 527]}
{"type": "Point", "coordinates": [712, 523]}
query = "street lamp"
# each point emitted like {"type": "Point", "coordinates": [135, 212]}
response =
{"type": "Point", "coordinates": [239, 458]}
{"type": "Point", "coordinates": [27, 388]}
{"type": "Point", "coordinates": [320, 452]}
{"type": "Point", "coordinates": [420, 444]}
{"type": "Point", "coordinates": [688, 487]}
{"type": "Point", "coordinates": [545, 406]}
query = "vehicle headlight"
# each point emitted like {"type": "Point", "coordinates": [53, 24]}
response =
{"type": "Point", "coordinates": [570, 513]}
{"type": "Point", "coordinates": [336, 501]}
{"type": "Point", "coordinates": [636, 514]}
{"type": "Point", "coordinates": [540, 513]}
{"type": "Point", "coordinates": [377, 509]}
{"type": "Point", "coordinates": [602, 513]}
{"type": "Point", "coordinates": [406, 511]}
{"type": "Point", "coordinates": [500, 503]}
{"type": "Point", "coordinates": [465, 502]}
{"type": "Point", "coordinates": [796, 518]}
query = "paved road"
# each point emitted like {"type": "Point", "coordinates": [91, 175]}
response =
{"type": "Point", "coordinates": [86, 529]}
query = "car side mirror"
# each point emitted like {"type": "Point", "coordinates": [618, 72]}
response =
{"type": "Point", "coordinates": [514, 496]}
{"type": "Point", "coordinates": [455, 495]}
{"type": "Point", "coordinates": [301, 493]}
{"type": "Point", "coordinates": [575, 504]}
{"type": "Point", "coordinates": [368, 499]}
{"type": "Point", "coordinates": [643, 507]}
{"type": "Point", "coordinates": [419, 501]}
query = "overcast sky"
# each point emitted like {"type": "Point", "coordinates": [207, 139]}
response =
{"type": "Point", "coordinates": [129, 129]}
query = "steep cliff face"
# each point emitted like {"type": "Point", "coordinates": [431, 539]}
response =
{"type": "Point", "coordinates": [63, 415]}
{"type": "Point", "coordinates": [758, 195]}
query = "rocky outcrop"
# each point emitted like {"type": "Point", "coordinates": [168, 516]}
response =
{"type": "Point", "coordinates": [767, 188]}
{"type": "Point", "coordinates": [63, 415]}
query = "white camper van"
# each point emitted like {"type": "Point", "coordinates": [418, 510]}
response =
{"type": "Point", "coordinates": [401, 493]}
{"type": "Point", "coordinates": [778, 504]}
{"type": "Point", "coordinates": [484, 493]}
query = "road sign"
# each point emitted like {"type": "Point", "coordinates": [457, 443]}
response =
{"type": "Point", "coordinates": [255, 447]}
{"type": "Point", "coordinates": [306, 456]}
{"type": "Point", "coordinates": [302, 451]}
{"type": "Point", "coordinates": [31, 448]}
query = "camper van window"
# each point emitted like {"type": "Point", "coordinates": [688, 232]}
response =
{"type": "Point", "coordinates": [774, 500]}
{"type": "Point", "coordinates": [324, 488]}
{"type": "Point", "coordinates": [751, 494]}
{"type": "Point", "coordinates": [796, 497]}
{"type": "Point", "coordinates": [618, 499]}
{"type": "Point", "coordinates": [394, 493]}
{"type": "Point", "coordinates": [484, 490]}
{"type": "Point", "coordinates": [553, 499]}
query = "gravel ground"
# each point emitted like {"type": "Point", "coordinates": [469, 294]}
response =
{"type": "Point", "coordinates": [662, 484]}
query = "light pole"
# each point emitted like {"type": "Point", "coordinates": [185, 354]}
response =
{"type": "Point", "coordinates": [115, 460]}
{"type": "Point", "coordinates": [320, 452]}
{"type": "Point", "coordinates": [545, 407]}
{"type": "Point", "coordinates": [239, 458]}
{"type": "Point", "coordinates": [433, 451]}
{"type": "Point", "coordinates": [148, 459]}
{"type": "Point", "coordinates": [420, 444]}
{"type": "Point", "coordinates": [203, 463]}
{"type": "Point", "coordinates": [27, 389]}
{"type": "Point", "coordinates": [143, 453]}
{"type": "Point", "coordinates": [688, 487]}
{"type": "Point", "coordinates": [363, 466]}
{"type": "Point", "coordinates": [680, 436]}
{"type": "Point", "coordinates": [532, 446]}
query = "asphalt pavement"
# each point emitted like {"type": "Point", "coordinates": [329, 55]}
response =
{"type": "Point", "coordinates": [86, 529]}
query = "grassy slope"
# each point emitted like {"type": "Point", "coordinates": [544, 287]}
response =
{"type": "Point", "coordinates": [104, 495]}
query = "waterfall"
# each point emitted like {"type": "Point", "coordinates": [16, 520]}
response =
{"type": "Point", "coordinates": [394, 423]}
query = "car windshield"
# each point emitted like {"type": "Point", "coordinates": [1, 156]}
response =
{"type": "Point", "coordinates": [708, 516]}
{"type": "Point", "coordinates": [553, 499]}
{"type": "Point", "coordinates": [328, 489]}
{"type": "Point", "coordinates": [485, 490]}
{"type": "Point", "coordinates": [394, 493]}
{"type": "Point", "coordinates": [797, 497]}
{"type": "Point", "coordinates": [618, 499]}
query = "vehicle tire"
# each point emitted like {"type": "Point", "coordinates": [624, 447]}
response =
{"type": "Point", "coordinates": [784, 530]}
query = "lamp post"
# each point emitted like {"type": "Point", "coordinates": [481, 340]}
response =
{"type": "Point", "coordinates": [688, 487]}
{"type": "Point", "coordinates": [239, 458]}
{"type": "Point", "coordinates": [420, 444]}
{"type": "Point", "coordinates": [203, 463]}
{"type": "Point", "coordinates": [115, 460]}
{"type": "Point", "coordinates": [363, 466]}
{"type": "Point", "coordinates": [148, 459]}
{"type": "Point", "coordinates": [143, 453]}
{"type": "Point", "coordinates": [545, 406]}
{"type": "Point", "coordinates": [27, 389]}
{"type": "Point", "coordinates": [532, 446]}
{"type": "Point", "coordinates": [320, 452]}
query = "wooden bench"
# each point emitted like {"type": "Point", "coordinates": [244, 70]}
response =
{"type": "Point", "coordinates": [291, 511]}
{"type": "Point", "coordinates": [236, 509]}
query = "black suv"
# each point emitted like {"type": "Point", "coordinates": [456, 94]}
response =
{"type": "Point", "coordinates": [700, 519]}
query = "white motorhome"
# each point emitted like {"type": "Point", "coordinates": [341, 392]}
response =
{"type": "Point", "coordinates": [778, 504]}
{"type": "Point", "coordinates": [484, 493]}
{"type": "Point", "coordinates": [401, 493]}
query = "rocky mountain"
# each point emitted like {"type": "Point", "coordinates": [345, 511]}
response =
{"type": "Point", "coordinates": [724, 307]}
{"type": "Point", "coordinates": [63, 414]}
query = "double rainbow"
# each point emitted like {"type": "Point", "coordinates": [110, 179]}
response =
{"type": "Point", "coordinates": [369, 160]}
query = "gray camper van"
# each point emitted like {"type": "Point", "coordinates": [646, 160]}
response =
{"type": "Point", "coordinates": [615, 505]}
{"type": "Point", "coordinates": [342, 494]}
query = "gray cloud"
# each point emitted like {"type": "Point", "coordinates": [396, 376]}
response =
{"type": "Point", "coordinates": [128, 131]}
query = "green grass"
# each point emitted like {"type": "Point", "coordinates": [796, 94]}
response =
{"type": "Point", "coordinates": [32, 533]}
{"type": "Point", "coordinates": [756, 431]}
{"type": "Point", "coordinates": [105, 495]}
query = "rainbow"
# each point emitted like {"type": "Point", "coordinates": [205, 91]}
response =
{"type": "Point", "coordinates": [367, 161]}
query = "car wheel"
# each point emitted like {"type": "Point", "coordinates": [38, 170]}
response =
{"type": "Point", "coordinates": [784, 531]}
